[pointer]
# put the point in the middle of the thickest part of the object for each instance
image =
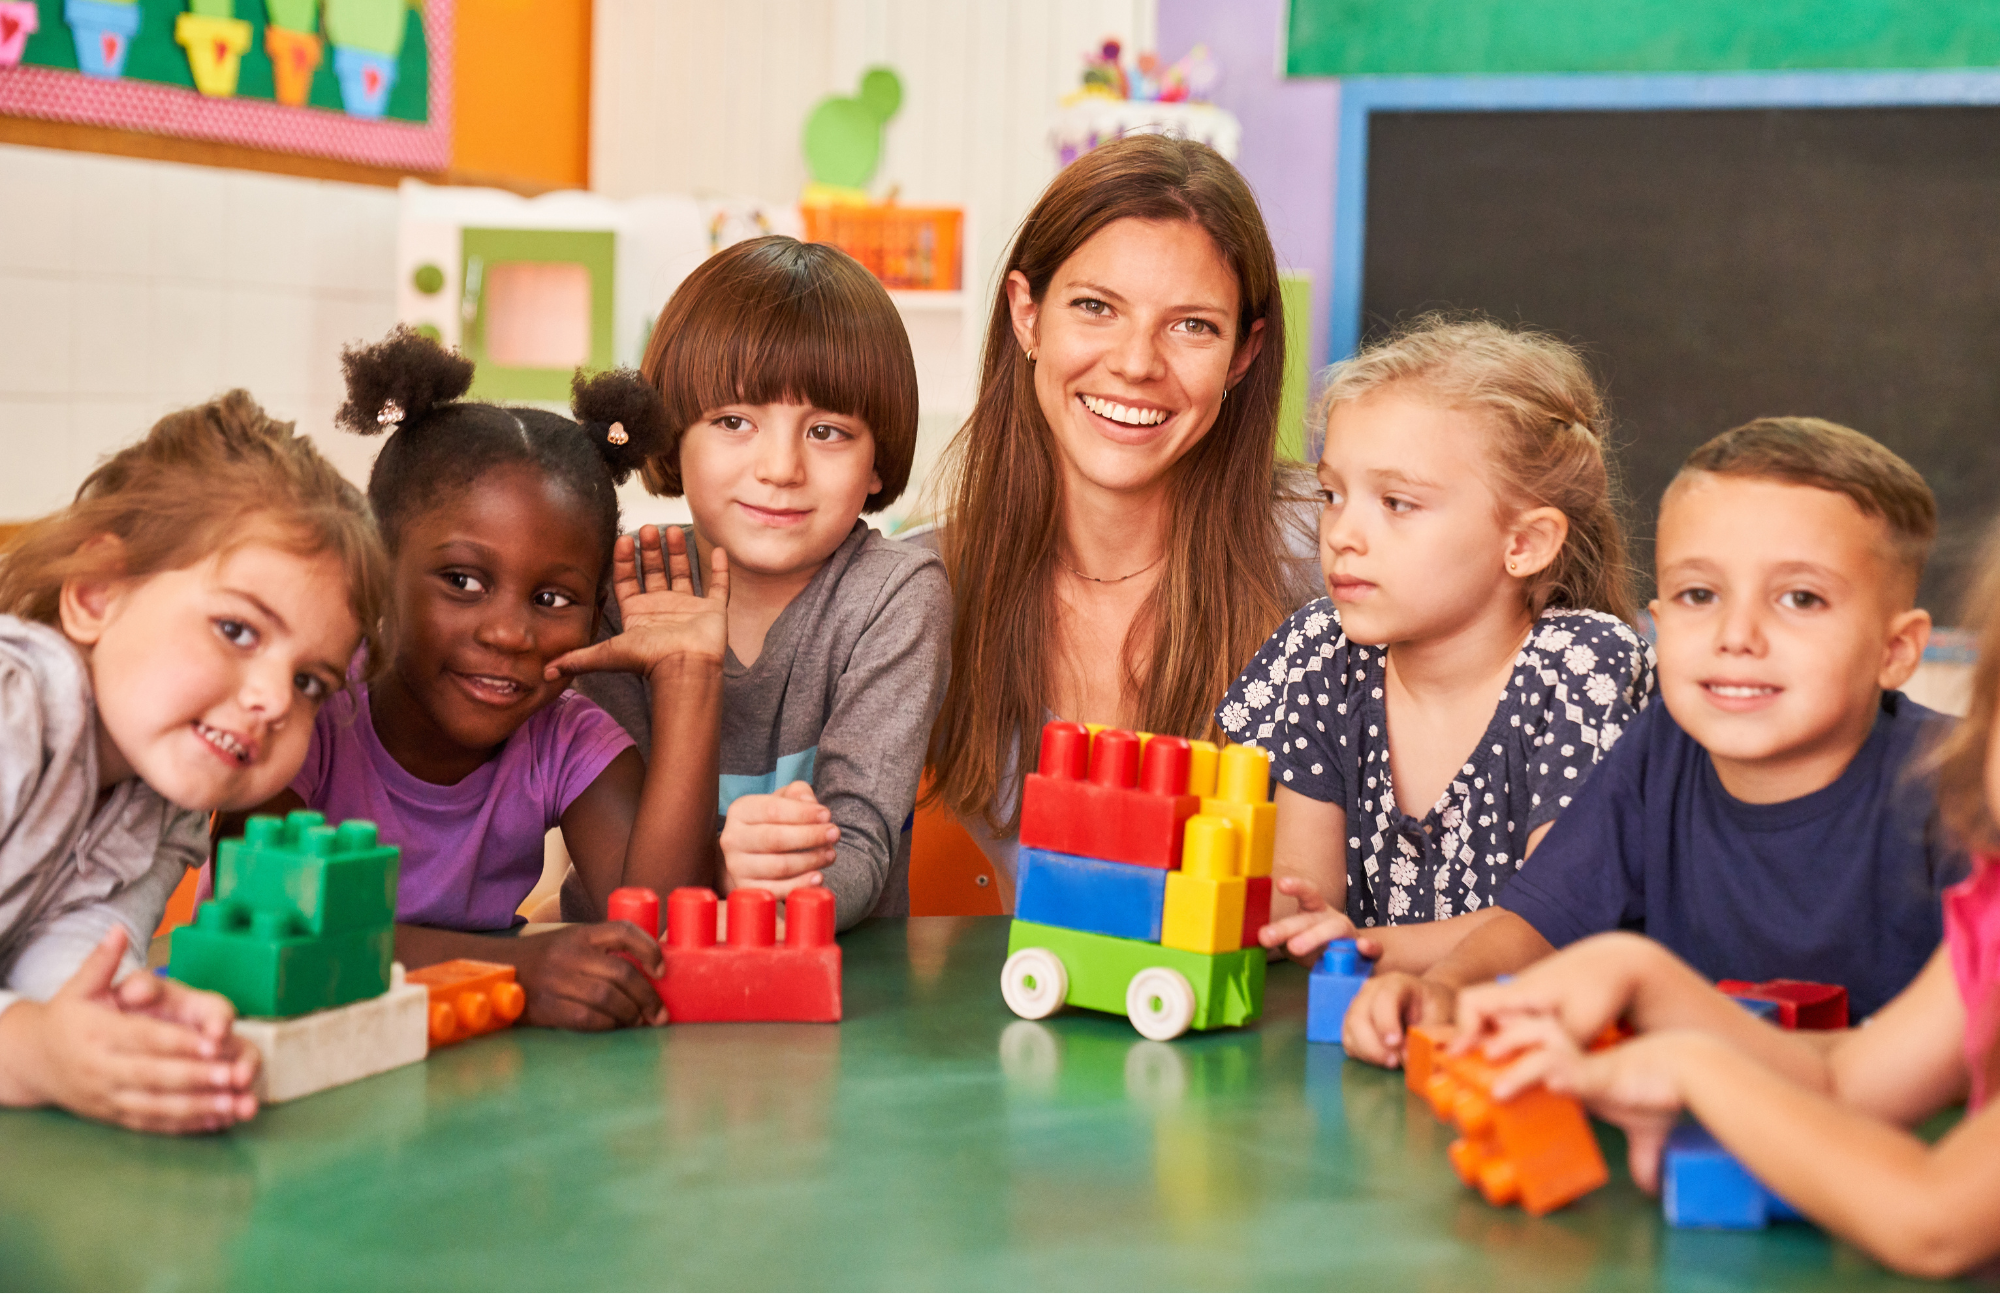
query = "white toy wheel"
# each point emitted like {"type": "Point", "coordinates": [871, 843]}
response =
{"type": "Point", "coordinates": [1034, 982]}
{"type": "Point", "coordinates": [1160, 1002]}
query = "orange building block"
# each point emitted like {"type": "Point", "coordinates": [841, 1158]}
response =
{"type": "Point", "coordinates": [1423, 1046]}
{"type": "Point", "coordinates": [469, 998]}
{"type": "Point", "coordinates": [1536, 1148]}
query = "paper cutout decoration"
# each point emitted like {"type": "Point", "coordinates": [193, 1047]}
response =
{"type": "Point", "coordinates": [215, 45]}
{"type": "Point", "coordinates": [367, 37]}
{"type": "Point", "coordinates": [103, 31]}
{"type": "Point", "coordinates": [292, 41]}
{"type": "Point", "coordinates": [19, 19]}
{"type": "Point", "coordinates": [843, 137]}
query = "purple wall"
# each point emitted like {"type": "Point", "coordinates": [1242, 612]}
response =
{"type": "Point", "coordinates": [1288, 129]}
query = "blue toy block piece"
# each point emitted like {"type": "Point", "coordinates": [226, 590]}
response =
{"type": "Point", "coordinates": [1702, 1185]}
{"type": "Point", "coordinates": [1762, 1008]}
{"type": "Point", "coordinates": [1123, 900]}
{"type": "Point", "coordinates": [1330, 990]}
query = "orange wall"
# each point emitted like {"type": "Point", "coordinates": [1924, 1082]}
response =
{"type": "Point", "coordinates": [522, 84]}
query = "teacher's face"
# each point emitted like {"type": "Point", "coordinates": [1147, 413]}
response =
{"type": "Point", "coordinates": [1135, 341]}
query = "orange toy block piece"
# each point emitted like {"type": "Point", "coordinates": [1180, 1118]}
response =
{"type": "Point", "coordinates": [469, 998]}
{"type": "Point", "coordinates": [1243, 795]}
{"type": "Point", "coordinates": [1536, 1148]}
{"type": "Point", "coordinates": [1423, 1046]}
{"type": "Point", "coordinates": [1204, 903]}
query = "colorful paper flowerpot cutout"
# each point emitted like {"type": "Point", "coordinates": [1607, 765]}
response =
{"type": "Point", "coordinates": [19, 19]}
{"type": "Point", "coordinates": [295, 57]}
{"type": "Point", "coordinates": [103, 31]}
{"type": "Point", "coordinates": [215, 48]}
{"type": "Point", "coordinates": [366, 77]}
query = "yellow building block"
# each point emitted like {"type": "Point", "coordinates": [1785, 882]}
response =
{"type": "Point", "coordinates": [1201, 769]}
{"type": "Point", "coordinates": [1243, 796]}
{"type": "Point", "coordinates": [1204, 907]}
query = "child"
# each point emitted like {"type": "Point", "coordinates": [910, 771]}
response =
{"type": "Point", "coordinates": [166, 642]}
{"type": "Point", "coordinates": [1471, 550]}
{"type": "Point", "coordinates": [501, 525]}
{"type": "Point", "coordinates": [1821, 1122]}
{"type": "Point", "coordinates": [1761, 823]}
{"type": "Point", "coordinates": [791, 410]}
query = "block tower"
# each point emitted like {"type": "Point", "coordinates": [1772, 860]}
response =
{"type": "Point", "coordinates": [301, 931]}
{"type": "Point", "coordinates": [1145, 871]}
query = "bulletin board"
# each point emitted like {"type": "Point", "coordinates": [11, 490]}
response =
{"type": "Point", "coordinates": [365, 81]}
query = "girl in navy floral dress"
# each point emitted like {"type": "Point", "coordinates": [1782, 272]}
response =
{"type": "Point", "coordinates": [1474, 657]}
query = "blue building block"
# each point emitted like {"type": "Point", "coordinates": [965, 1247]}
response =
{"type": "Point", "coordinates": [1122, 900]}
{"type": "Point", "coordinates": [1762, 1008]}
{"type": "Point", "coordinates": [1330, 990]}
{"type": "Point", "coordinates": [1702, 1185]}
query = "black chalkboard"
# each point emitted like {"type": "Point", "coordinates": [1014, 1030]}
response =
{"type": "Point", "coordinates": [1722, 265]}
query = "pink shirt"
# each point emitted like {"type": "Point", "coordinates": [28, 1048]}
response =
{"type": "Point", "coordinates": [1972, 936]}
{"type": "Point", "coordinates": [472, 850]}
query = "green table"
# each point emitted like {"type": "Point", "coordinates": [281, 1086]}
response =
{"type": "Point", "coordinates": [930, 1140]}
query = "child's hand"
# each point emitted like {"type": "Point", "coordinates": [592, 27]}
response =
{"type": "Point", "coordinates": [1306, 933]}
{"type": "Point", "coordinates": [1584, 988]}
{"type": "Point", "coordinates": [1388, 1004]}
{"type": "Point", "coordinates": [591, 978]}
{"type": "Point", "coordinates": [777, 842]}
{"type": "Point", "coordinates": [665, 623]}
{"type": "Point", "coordinates": [149, 1056]}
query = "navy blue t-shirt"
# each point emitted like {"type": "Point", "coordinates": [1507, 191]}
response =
{"type": "Point", "coordinates": [1841, 886]}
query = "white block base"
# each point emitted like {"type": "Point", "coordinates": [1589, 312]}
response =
{"type": "Point", "coordinates": [311, 1053]}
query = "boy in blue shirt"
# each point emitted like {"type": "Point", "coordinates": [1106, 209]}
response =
{"type": "Point", "coordinates": [1767, 820]}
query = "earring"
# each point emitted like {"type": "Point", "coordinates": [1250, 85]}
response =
{"type": "Point", "coordinates": [1225, 393]}
{"type": "Point", "coordinates": [1031, 354]}
{"type": "Point", "coordinates": [1512, 568]}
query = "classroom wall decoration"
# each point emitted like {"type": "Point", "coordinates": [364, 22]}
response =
{"type": "Point", "coordinates": [364, 81]}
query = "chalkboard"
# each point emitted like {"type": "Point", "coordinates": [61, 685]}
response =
{"type": "Point", "coordinates": [1723, 265]}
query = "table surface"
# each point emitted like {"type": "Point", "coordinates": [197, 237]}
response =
{"type": "Point", "coordinates": [931, 1140]}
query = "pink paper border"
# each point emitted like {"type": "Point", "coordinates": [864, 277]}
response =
{"type": "Point", "coordinates": [55, 95]}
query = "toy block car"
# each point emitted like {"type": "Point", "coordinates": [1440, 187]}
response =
{"type": "Point", "coordinates": [1331, 989]}
{"type": "Point", "coordinates": [750, 976]}
{"type": "Point", "coordinates": [1129, 809]}
{"type": "Point", "coordinates": [1163, 991]}
{"type": "Point", "coordinates": [468, 998]}
{"type": "Point", "coordinates": [1703, 1185]}
{"type": "Point", "coordinates": [1535, 1148]}
{"type": "Point", "coordinates": [1800, 1004]}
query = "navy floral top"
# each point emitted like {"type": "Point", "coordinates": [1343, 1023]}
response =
{"type": "Point", "coordinates": [1314, 700]}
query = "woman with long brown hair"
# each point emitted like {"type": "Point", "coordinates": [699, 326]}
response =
{"type": "Point", "coordinates": [1118, 535]}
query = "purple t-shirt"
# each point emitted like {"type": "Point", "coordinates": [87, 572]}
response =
{"type": "Point", "coordinates": [473, 850]}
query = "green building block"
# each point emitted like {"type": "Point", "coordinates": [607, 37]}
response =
{"type": "Point", "coordinates": [269, 967]}
{"type": "Point", "coordinates": [1228, 987]}
{"type": "Point", "coordinates": [333, 879]}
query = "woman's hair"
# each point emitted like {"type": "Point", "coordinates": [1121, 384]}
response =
{"type": "Point", "coordinates": [1224, 586]}
{"type": "Point", "coordinates": [1961, 757]}
{"type": "Point", "coordinates": [773, 320]}
{"type": "Point", "coordinates": [204, 481]}
{"type": "Point", "coordinates": [1549, 425]}
{"type": "Point", "coordinates": [409, 386]}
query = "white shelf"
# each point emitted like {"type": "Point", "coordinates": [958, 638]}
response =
{"type": "Point", "coordinates": [908, 300]}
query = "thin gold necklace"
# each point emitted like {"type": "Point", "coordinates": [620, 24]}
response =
{"type": "Point", "coordinates": [1120, 579]}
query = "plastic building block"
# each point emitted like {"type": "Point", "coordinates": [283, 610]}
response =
{"type": "Point", "coordinates": [1703, 1185]}
{"type": "Point", "coordinates": [1761, 1008]}
{"type": "Point", "coordinates": [1164, 991]}
{"type": "Point", "coordinates": [1331, 988]}
{"type": "Point", "coordinates": [1535, 1148]}
{"type": "Point", "coordinates": [1256, 907]}
{"type": "Point", "coordinates": [635, 904]}
{"type": "Point", "coordinates": [303, 918]}
{"type": "Point", "coordinates": [19, 19]}
{"type": "Point", "coordinates": [103, 31]}
{"type": "Point", "coordinates": [1423, 1046]}
{"type": "Point", "coordinates": [328, 1048]}
{"type": "Point", "coordinates": [1127, 810]}
{"type": "Point", "coordinates": [215, 47]}
{"type": "Point", "coordinates": [1118, 899]}
{"type": "Point", "coordinates": [468, 998]}
{"type": "Point", "coordinates": [1801, 1004]}
{"type": "Point", "coordinates": [1243, 795]}
{"type": "Point", "coordinates": [1204, 910]}
{"type": "Point", "coordinates": [750, 976]}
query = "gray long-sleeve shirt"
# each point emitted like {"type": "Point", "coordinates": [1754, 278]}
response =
{"type": "Point", "coordinates": [842, 696]}
{"type": "Point", "coordinates": [71, 866]}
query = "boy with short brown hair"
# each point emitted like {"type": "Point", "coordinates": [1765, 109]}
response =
{"type": "Point", "coordinates": [1760, 822]}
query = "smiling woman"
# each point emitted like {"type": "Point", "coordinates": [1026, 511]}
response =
{"type": "Point", "coordinates": [1119, 537]}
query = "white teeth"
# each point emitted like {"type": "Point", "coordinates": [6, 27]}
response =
{"type": "Point", "coordinates": [224, 742]}
{"type": "Point", "coordinates": [1123, 413]}
{"type": "Point", "coordinates": [1740, 691]}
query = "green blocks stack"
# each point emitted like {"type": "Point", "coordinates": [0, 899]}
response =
{"type": "Point", "coordinates": [304, 918]}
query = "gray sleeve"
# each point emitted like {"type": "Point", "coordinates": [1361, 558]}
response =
{"type": "Point", "coordinates": [871, 751]}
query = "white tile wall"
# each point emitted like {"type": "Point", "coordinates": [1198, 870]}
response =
{"type": "Point", "coordinates": [130, 288]}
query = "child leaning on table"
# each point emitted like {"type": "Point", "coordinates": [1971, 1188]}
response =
{"type": "Point", "coordinates": [166, 642]}
{"type": "Point", "coordinates": [1763, 821]}
{"type": "Point", "coordinates": [1821, 1119]}
{"type": "Point", "coordinates": [791, 401]}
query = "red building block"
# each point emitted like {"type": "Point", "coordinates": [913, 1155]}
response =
{"type": "Point", "coordinates": [749, 976]}
{"type": "Point", "coordinates": [469, 998]}
{"type": "Point", "coordinates": [1536, 1148]}
{"type": "Point", "coordinates": [1099, 799]}
{"type": "Point", "coordinates": [1801, 1004]}
{"type": "Point", "coordinates": [1256, 908]}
